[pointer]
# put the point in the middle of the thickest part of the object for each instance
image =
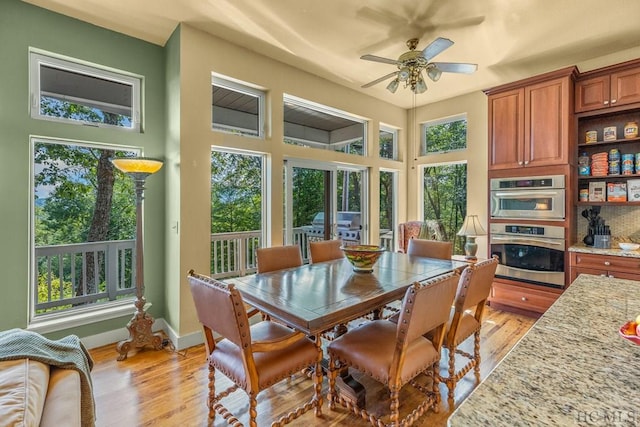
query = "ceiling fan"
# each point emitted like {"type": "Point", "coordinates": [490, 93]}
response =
{"type": "Point", "coordinates": [411, 64]}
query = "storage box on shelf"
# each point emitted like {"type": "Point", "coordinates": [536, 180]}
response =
{"type": "Point", "coordinates": [621, 267]}
{"type": "Point", "coordinates": [623, 145]}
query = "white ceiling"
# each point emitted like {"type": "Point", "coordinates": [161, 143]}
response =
{"type": "Point", "coordinates": [508, 39]}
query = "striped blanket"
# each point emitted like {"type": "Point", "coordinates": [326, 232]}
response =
{"type": "Point", "coordinates": [65, 353]}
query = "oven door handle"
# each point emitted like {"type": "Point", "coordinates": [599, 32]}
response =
{"type": "Point", "coordinates": [525, 240]}
{"type": "Point", "coordinates": [528, 194]}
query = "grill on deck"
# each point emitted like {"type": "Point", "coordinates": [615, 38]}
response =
{"type": "Point", "coordinates": [348, 227]}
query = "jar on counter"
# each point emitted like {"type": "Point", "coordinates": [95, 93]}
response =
{"type": "Point", "coordinates": [631, 130]}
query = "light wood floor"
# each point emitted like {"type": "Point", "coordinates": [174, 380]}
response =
{"type": "Point", "coordinates": [168, 388]}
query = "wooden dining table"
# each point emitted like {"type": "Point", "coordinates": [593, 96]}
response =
{"type": "Point", "coordinates": [315, 298]}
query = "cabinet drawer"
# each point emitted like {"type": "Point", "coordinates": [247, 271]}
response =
{"type": "Point", "coordinates": [607, 262]}
{"type": "Point", "coordinates": [537, 300]}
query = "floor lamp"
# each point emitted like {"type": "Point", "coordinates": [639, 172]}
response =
{"type": "Point", "coordinates": [140, 334]}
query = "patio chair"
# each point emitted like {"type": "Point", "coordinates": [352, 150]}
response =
{"type": "Point", "coordinates": [466, 320]}
{"type": "Point", "coordinates": [394, 354]}
{"type": "Point", "coordinates": [253, 357]}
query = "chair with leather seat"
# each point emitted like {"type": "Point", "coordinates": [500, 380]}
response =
{"type": "Point", "coordinates": [430, 248]}
{"type": "Point", "coordinates": [253, 357]}
{"type": "Point", "coordinates": [394, 354]}
{"type": "Point", "coordinates": [278, 258]}
{"type": "Point", "coordinates": [466, 320]}
{"type": "Point", "coordinates": [325, 250]}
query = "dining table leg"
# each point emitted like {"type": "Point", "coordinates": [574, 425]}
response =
{"type": "Point", "coordinates": [347, 386]}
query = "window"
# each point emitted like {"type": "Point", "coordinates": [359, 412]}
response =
{"type": "Point", "coordinates": [74, 92]}
{"type": "Point", "coordinates": [444, 200]}
{"type": "Point", "coordinates": [388, 191]}
{"type": "Point", "coordinates": [237, 201]}
{"type": "Point", "coordinates": [84, 219]}
{"type": "Point", "coordinates": [388, 143]}
{"type": "Point", "coordinates": [318, 126]}
{"type": "Point", "coordinates": [444, 135]}
{"type": "Point", "coordinates": [237, 108]}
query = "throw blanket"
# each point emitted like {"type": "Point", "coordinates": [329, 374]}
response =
{"type": "Point", "coordinates": [66, 353]}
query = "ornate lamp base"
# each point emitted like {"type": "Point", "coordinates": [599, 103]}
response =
{"type": "Point", "coordinates": [140, 335]}
{"type": "Point", "coordinates": [470, 248]}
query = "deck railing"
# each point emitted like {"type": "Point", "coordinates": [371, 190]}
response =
{"type": "Point", "coordinates": [78, 274]}
{"type": "Point", "coordinates": [82, 273]}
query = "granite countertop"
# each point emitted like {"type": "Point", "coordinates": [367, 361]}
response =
{"type": "Point", "coordinates": [580, 247]}
{"type": "Point", "coordinates": [571, 368]}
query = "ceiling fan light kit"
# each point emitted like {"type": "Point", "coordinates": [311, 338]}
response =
{"type": "Point", "coordinates": [411, 64]}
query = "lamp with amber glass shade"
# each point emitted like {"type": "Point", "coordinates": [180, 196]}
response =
{"type": "Point", "coordinates": [140, 334]}
{"type": "Point", "coordinates": [471, 228]}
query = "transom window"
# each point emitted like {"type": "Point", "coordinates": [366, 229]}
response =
{"type": "Point", "coordinates": [81, 93]}
{"type": "Point", "coordinates": [388, 143]}
{"type": "Point", "coordinates": [237, 107]}
{"type": "Point", "coordinates": [318, 126]}
{"type": "Point", "coordinates": [444, 135]}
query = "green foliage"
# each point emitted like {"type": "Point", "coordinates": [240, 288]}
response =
{"type": "Point", "coordinates": [65, 187]}
{"type": "Point", "coordinates": [386, 200]}
{"type": "Point", "coordinates": [446, 137]}
{"type": "Point", "coordinates": [386, 145]}
{"type": "Point", "coordinates": [236, 192]}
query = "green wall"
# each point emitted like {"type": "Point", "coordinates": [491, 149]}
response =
{"type": "Point", "coordinates": [23, 26]}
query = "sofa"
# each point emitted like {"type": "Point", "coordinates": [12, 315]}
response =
{"type": "Point", "coordinates": [44, 382]}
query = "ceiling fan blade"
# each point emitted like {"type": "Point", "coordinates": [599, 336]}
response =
{"type": "Point", "coordinates": [437, 46]}
{"type": "Point", "coordinates": [376, 81]}
{"type": "Point", "coordinates": [455, 67]}
{"type": "Point", "coordinates": [379, 59]}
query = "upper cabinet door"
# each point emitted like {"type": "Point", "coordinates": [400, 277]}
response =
{"type": "Point", "coordinates": [625, 87]}
{"type": "Point", "coordinates": [546, 138]}
{"type": "Point", "coordinates": [592, 94]}
{"type": "Point", "coordinates": [506, 129]}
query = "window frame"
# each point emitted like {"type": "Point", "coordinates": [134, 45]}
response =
{"type": "Point", "coordinates": [80, 316]}
{"type": "Point", "coordinates": [325, 109]}
{"type": "Point", "coordinates": [38, 58]}
{"type": "Point", "coordinates": [423, 133]}
{"type": "Point", "coordinates": [394, 134]}
{"type": "Point", "coordinates": [246, 89]}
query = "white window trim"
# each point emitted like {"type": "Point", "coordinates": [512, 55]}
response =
{"type": "Point", "coordinates": [331, 111]}
{"type": "Point", "coordinates": [394, 133]}
{"type": "Point", "coordinates": [81, 316]}
{"type": "Point", "coordinates": [38, 57]}
{"type": "Point", "coordinates": [247, 89]}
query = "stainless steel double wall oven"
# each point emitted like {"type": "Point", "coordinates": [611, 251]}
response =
{"type": "Point", "coordinates": [530, 252]}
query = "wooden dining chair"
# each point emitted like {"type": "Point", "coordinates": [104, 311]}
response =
{"type": "Point", "coordinates": [430, 248]}
{"type": "Point", "coordinates": [253, 357]}
{"type": "Point", "coordinates": [325, 250]}
{"type": "Point", "coordinates": [394, 354]}
{"type": "Point", "coordinates": [278, 258]}
{"type": "Point", "coordinates": [466, 320]}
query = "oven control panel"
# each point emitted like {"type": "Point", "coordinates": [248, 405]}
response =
{"type": "Point", "coordinates": [522, 229]}
{"type": "Point", "coordinates": [549, 231]}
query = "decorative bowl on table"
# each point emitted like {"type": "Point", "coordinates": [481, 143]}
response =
{"type": "Point", "coordinates": [630, 332]}
{"type": "Point", "coordinates": [625, 246]}
{"type": "Point", "coordinates": [362, 257]}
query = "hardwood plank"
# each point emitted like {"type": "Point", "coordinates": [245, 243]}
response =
{"type": "Point", "coordinates": [169, 388]}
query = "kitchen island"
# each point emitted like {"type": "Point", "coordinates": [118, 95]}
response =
{"type": "Point", "coordinates": [571, 368]}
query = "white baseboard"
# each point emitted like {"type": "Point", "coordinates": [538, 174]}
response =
{"type": "Point", "coordinates": [109, 337]}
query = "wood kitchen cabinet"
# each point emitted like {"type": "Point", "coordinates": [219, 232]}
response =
{"type": "Point", "coordinates": [620, 267]}
{"type": "Point", "coordinates": [530, 122]}
{"type": "Point", "coordinates": [609, 87]}
{"type": "Point", "coordinates": [523, 297]}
